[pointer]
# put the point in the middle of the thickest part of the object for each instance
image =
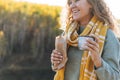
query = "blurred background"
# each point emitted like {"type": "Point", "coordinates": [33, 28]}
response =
{"type": "Point", "coordinates": [27, 35]}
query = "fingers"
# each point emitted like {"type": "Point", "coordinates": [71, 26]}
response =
{"type": "Point", "coordinates": [56, 57]}
{"type": "Point", "coordinates": [92, 45]}
{"type": "Point", "coordinates": [56, 54]}
{"type": "Point", "coordinates": [96, 38]}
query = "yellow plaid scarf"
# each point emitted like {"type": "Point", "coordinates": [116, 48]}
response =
{"type": "Point", "coordinates": [87, 67]}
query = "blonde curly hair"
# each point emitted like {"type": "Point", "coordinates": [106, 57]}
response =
{"type": "Point", "coordinates": [99, 8]}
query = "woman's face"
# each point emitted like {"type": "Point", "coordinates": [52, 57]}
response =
{"type": "Point", "coordinates": [80, 9]}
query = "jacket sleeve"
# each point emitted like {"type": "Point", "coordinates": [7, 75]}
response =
{"type": "Point", "coordinates": [110, 69]}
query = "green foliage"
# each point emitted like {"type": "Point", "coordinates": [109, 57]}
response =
{"type": "Point", "coordinates": [28, 37]}
{"type": "Point", "coordinates": [3, 45]}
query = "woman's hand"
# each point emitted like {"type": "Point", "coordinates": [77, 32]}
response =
{"type": "Point", "coordinates": [56, 57]}
{"type": "Point", "coordinates": [93, 47]}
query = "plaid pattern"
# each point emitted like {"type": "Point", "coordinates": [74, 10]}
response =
{"type": "Point", "coordinates": [96, 27]}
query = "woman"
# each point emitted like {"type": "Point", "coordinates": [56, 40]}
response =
{"type": "Point", "coordinates": [101, 58]}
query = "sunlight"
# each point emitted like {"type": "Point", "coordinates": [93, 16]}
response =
{"type": "Point", "coordinates": [114, 5]}
{"type": "Point", "coordinates": [49, 2]}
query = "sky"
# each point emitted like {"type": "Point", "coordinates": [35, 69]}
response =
{"type": "Point", "coordinates": [113, 4]}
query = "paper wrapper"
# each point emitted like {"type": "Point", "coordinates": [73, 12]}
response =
{"type": "Point", "coordinates": [61, 46]}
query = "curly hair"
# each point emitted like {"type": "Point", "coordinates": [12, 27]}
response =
{"type": "Point", "coordinates": [100, 9]}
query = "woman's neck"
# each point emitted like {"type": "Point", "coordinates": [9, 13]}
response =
{"type": "Point", "coordinates": [84, 21]}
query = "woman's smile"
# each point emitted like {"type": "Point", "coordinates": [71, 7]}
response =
{"type": "Point", "coordinates": [79, 10]}
{"type": "Point", "coordinates": [74, 11]}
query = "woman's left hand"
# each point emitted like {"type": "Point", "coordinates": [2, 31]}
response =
{"type": "Point", "coordinates": [93, 47]}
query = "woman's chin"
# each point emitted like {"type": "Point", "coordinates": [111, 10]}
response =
{"type": "Point", "coordinates": [76, 19]}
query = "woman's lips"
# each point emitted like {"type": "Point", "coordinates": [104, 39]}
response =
{"type": "Point", "coordinates": [74, 11]}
